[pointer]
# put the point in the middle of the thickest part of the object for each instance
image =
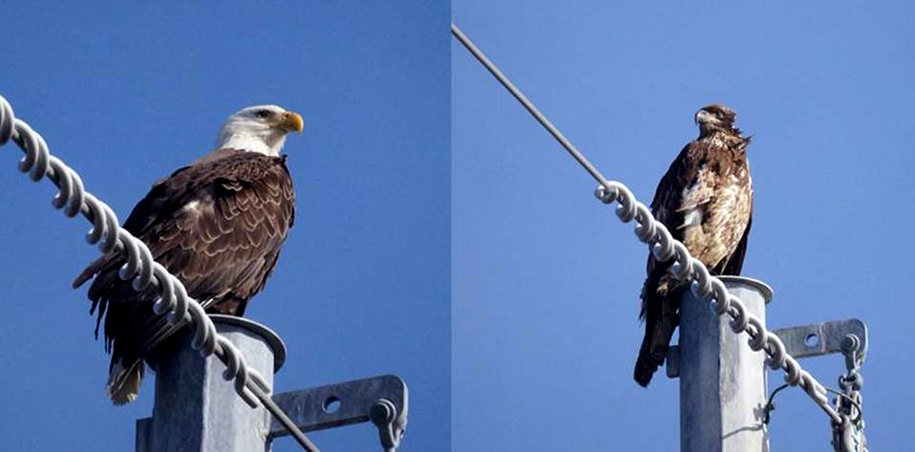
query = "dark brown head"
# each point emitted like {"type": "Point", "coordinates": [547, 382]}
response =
{"type": "Point", "coordinates": [716, 118]}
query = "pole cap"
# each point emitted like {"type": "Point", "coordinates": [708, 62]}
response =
{"type": "Point", "coordinates": [270, 337]}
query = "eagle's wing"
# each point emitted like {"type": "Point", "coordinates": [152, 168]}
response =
{"type": "Point", "coordinates": [226, 236]}
{"type": "Point", "coordinates": [734, 262]}
{"type": "Point", "coordinates": [217, 225]}
{"type": "Point", "coordinates": [163, 199]}
{"type": "Point", "coordinates": [659, 313]}
{"type": "Point", "coordinates": [667, 207]}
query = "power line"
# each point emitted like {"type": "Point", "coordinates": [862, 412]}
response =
{"type": "Point", "coordinates": [573, 151]}
{"type": "Point", "coordinates": [174, 302]}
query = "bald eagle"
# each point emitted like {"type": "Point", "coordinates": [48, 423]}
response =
{"type": "Point", "coordinates": [217, 225]}
{"type": "Point", "coordinates": [706, 201]}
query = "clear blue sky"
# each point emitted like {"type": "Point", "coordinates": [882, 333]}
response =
{"type": "Point", "coordinates": [127, 93]}
{"type": "Point", "coordinates": [545, 278]}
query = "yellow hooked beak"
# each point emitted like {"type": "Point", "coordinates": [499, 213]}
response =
{"type": "Point", "coordinates": [292, 121]}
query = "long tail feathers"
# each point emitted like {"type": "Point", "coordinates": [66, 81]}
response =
{"type": "Point", "coordinates": [645, 367]}
{"type": "Point", "coordinates": [124, 383]}
{"type": "Point", "coordinates": [659, 328]}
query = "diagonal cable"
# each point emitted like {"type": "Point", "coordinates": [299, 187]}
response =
{"type": "Point", "coordinates": [174, 302]}
{"type": "Point", "coordinates": [664, 247]}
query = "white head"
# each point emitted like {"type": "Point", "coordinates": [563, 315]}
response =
{"type": "Point", "coordinates": [261, 128]}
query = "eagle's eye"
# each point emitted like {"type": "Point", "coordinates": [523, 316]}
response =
{"type": "Point", "coordinates": [263, 114]}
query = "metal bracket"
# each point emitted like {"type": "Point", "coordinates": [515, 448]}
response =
{"type": "Point", "coordinates": [805, 341]}
{"type": "Point", "coordinates": [382, 400]}
{"type": "Point", "coordinates": [825, 338]}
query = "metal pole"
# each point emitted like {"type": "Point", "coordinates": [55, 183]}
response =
{"type": "Point", "coordinates": [722, 381]}
{"type": "Point", "coordinates": [196, 409]}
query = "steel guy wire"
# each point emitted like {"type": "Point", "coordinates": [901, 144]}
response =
{"type": "Point", "coordinates": [174, 301]}
{"type": "Point", "coordinates": [664, 247]}
{"type": "Point", "coordinates": [573, 151]}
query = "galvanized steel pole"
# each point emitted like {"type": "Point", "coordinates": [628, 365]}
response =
{"type": "Point", "coordinates": [722, 381]}
{"type": "Point", "coordinates": [196, 408]}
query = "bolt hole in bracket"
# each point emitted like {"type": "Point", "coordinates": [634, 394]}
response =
{"type": "Point", "coordinates": [816, 339]}
{"type": "Point", "coordinates": [381, 400]}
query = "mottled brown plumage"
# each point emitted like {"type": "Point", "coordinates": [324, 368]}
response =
{"type": "Point", "coordinates": [705, 200]}
{"type": "Point", "coordinates": [218, 225]}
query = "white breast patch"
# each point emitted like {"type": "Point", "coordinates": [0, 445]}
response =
{"type": "Point", "coordinates": [192, 207]}
{"type": "Point", "coordinates": [692, 217]}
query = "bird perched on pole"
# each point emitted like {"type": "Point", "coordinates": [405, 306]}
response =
{"type": "Point", "coordinates": [706, 201]}
{"type": "Point", "coordinates": [218, 225]}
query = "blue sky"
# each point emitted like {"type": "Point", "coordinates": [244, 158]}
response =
{"type": "Point", "coordinates": [125, 94]}
{"type": "Point", "coordinates": [545, 278]}
{"type": "Point", "coordinates": [542, 332]}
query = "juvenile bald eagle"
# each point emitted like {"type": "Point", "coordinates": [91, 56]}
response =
{"type": "Point", "coordinates": [706, 201]}
{"type": "Point", "coordinates": [218, 225]}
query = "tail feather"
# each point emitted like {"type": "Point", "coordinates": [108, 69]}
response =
{"type": "Point", "coordinates": [645, 367]}
{"type": "Point", "coordinates": [124, 382]}
{"type": "Point", "coordinates": [661, 320]}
